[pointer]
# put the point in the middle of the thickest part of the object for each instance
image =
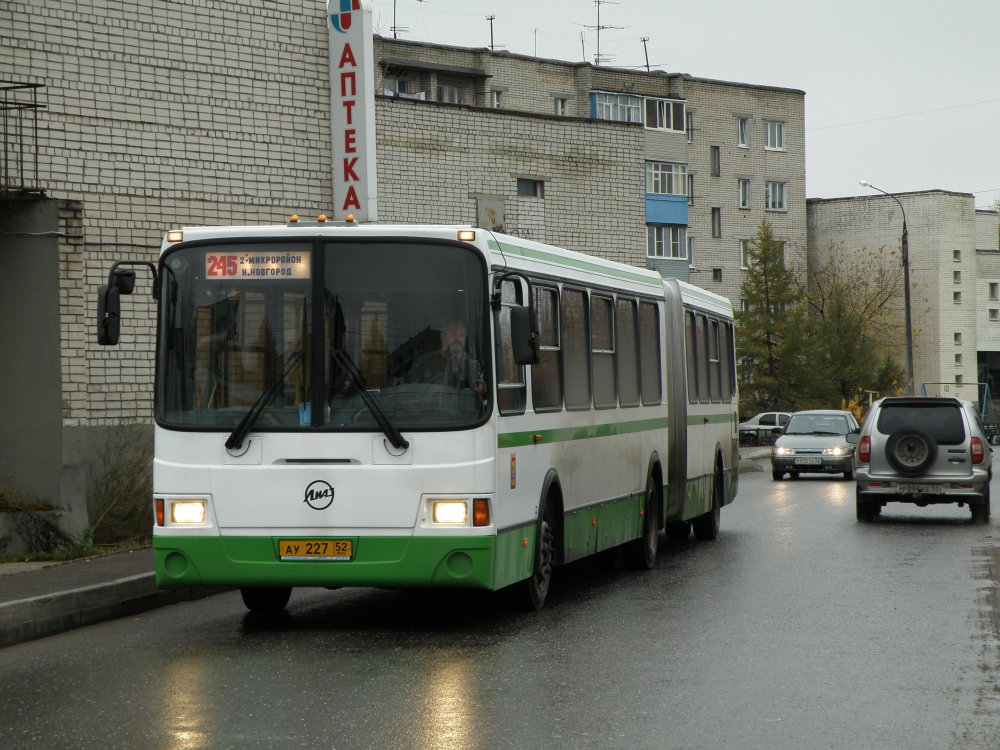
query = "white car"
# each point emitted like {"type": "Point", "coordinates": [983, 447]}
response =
{"type": "Point", "coordinates": [763, 428]}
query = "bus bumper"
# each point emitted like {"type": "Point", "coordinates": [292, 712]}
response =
{"type": "Point", "coordinates": [469, 562]}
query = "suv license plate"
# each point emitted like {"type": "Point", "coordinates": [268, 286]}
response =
{"type": "Point", "coordinates": [808, 461]}
{"type": "Point", "coordinates": [916, 489]}
{"type": "Point", "coordinates": [316, 549]}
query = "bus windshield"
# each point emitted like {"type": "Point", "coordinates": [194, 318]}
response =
{"type": "Point", "coordinates": [388, 330]}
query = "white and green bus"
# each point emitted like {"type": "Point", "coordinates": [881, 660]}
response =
{"type": "Point", "coordinates": [379, 405]}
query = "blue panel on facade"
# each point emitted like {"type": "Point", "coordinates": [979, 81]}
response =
{"type": "Point", "coordinates": [666, 209]}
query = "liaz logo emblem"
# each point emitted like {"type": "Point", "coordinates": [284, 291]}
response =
{"type": "Point", "coordinates": [319, 495]}
{"type": "Point", "coordinates": [342, 21]}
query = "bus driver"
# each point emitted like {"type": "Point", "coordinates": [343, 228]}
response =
{"type": "Point", "coordinates": [450, 365]}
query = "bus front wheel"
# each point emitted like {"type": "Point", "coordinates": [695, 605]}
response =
{"type": "Point", "coordinates": [266, 598]}
{"type": "Point", "coordinates": [536, 588]}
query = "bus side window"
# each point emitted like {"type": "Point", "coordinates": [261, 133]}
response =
{"type": "Point", "coordinates": [546, 376]}
{"type": "Point", "coordinates": [691, 347]}
{"type": "Point", "coordinates": [602, 352]}
{"type": "Point", "coordinates": [728, 363]}
{"type": "Point", "coordinates": [511, 390]}
{"type": "Point", "coordinates": [576, 349]}
{"type": "Point", "coordinates": [714, 362]}
{"type": "Point", "coordinates": [627, 352]}
{"type": "Point", "coordinates": [701, 332]}
{"type": "Point", "coordinates": [649, 354]}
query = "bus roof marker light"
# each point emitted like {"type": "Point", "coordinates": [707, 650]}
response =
{"type": "Point", "coordinates": [293, 219]}
{"type": "Point", "coordinates": [466, 235]}
{"type": "Point", "coordinates": [350, 218]}
{"type": "Point", "coordinates": [176, 236]}
{"type": "Point", "coordinates": [321, 218]}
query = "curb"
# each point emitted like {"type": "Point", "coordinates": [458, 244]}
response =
{"type": "Point", "coordinates": [41, 616]}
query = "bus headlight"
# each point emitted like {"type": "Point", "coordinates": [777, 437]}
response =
{"type": "Point", "coordinates": [453, 512]}
{"type": "Point", "coordinates": [187, 511]}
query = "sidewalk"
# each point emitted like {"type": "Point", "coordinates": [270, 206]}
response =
{"type": "Point", "coordinates": [41, 599]}
{"type": "Point", "coordinates": [45, 598]}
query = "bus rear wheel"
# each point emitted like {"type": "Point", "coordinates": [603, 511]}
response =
{"type": "Point", "coordinates": [706, 526]}
{"type": "Point", "coordinates": [267, 599]}
{"type": "Point", "coordinates": [640, 554]}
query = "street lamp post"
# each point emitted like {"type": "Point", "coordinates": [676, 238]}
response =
{"type": "Point", "coordinates": [906, 289]}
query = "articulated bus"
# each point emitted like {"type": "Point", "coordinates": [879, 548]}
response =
{"type": "Point", "coordinates": [375, 405]}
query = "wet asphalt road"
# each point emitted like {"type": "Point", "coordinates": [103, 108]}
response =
{"type": "Point", "coordinates": [797, 628]}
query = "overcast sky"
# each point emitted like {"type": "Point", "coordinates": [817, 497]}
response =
{"type": "Point", "coordinates": [902, 93]}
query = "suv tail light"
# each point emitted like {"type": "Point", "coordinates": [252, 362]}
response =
{"type": "Point", "coordinates": [865, 449]}
{"type": "Point", "coordinates": [978, 454]}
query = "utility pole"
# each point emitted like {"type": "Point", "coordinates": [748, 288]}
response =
{"type": "Point", "coordinates": [491, 19]}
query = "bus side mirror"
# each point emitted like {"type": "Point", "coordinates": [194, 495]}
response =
{"type": "Point", "coordinates": [108, 315]}
{"type": "Point", "coordinates": [124, 281]}
{"type": "Point", "coordinates": [524, 335]}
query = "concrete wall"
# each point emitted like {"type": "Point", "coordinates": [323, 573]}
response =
{"type": "Point", "coordinates": [943, 263]}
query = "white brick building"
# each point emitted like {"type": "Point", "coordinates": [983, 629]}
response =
{"type": "Point", "coordinates": [144, 115]}
{"type": "Point", "coordinates": [954, 262]}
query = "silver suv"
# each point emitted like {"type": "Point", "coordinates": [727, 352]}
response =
{"type": "Point", "coordinates": [922, 450]}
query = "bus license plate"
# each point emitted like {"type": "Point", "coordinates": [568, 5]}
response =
{"type": "Point", "coordinates": [316, 549]}
{"type": "Point", "coordinates": [808, 461]}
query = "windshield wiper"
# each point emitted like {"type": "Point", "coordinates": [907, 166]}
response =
{"type": "Point", "coordinates": [388, 428]}
{"type": "Point", "coordinates": [246, 424]}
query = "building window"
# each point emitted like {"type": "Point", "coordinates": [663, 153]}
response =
{"type": "Point", "coordinates": [716, 222]}
{"type": "Point", "coordinates": [665, 114]}
{"type": "Point", "coordinates": [994, 316]}
{"type": "Point", "coordinates": [958, 335]}
{"type": "Point", "coordinates": [689, 125]}
{"type": "Point", "coordinates": [665, 241]}
{"type": "Point", "coordinates": [745, 246]}
{"type": "Point", "coordinates": [690, 189]}
{"type": "Point", "coordinates": [742, 130]}
{"type": "Point", "coordinates": [621, 107]}
{"type": "Point", "coordinates": [561, 106]}
{"type": "Point", "coordinates": [530, 188]}
{"type": "Point", "coordinates": [745, 306]}
{"type": "Point", "coordinates": [774, 135]}
{"type": "Point", "coordinates": [956, 255]}
{"type": "Point", "coordinates": [958, 378]}
{"type": "Point", "coordinates": [690, 250]}
{"type": "Point", "coordinates": [994, 290]}
{"type": "Point", "coordinates": [496, 99]}
{"type": "Point", "coordinates": [774, 196]}
{"type": "Point", "coordinates": [451, 94]}
{"type": "Point", "coordinates": [958, 359]}
{"type": "Point", "coordinates": [666, 179]}
{"type": "Point", "coordinates": [716, 274]}
{"type": "Point", "coordinates": [956, 297]}
{"type": "Point", "coordinates": [744, 192]}
{"type": "Point", "coordinates": [715, 160]}
{"type": "Point", "coordinates": [956, 276]}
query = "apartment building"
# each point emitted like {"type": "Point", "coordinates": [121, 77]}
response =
{"type": "Point", "coordinates": [954, 261]}
{"type": "Point", "coordinates": [653, 168]}
{"type": "Point", "coordinates": [162, 114]}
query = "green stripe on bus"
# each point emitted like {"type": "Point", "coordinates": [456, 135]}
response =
{"type": "Point", "coordinates": [710, 419]}
{"type": "Point", "coordinates": [575, 263]}
{"type": "Point", "coordinates": [585, 432]}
